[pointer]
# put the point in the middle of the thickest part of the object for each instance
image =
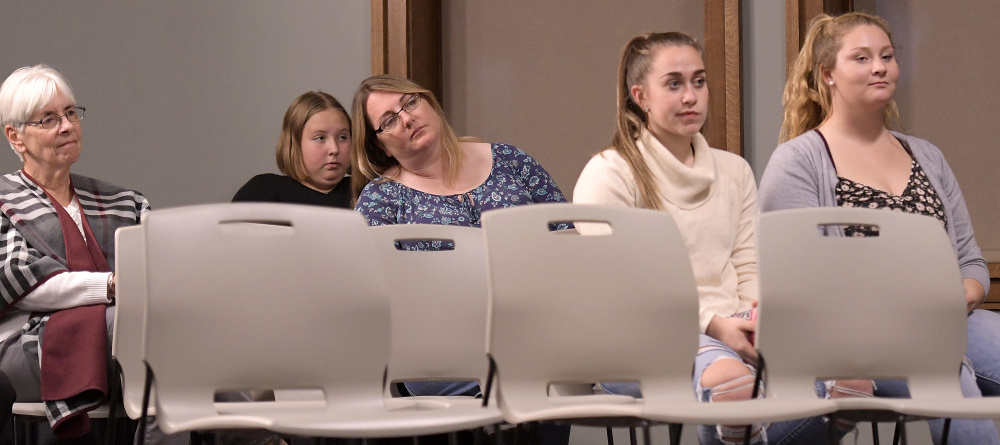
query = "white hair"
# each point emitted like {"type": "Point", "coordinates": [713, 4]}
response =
{"type": "Point", "coordinates": [26, 91]}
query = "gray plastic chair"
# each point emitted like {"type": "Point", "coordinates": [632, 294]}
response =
{"type": "Point", "coordinates": [622, 306]}
{"type": "Point", "coordinates": [439, 303]}
{"type": "Point", "coordinates": [130, 316]}
{"type": "Point", "coordinates": [886, 307]}
{"type": "Point", "coordinates": [278, 297]}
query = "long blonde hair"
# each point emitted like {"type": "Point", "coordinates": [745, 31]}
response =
{"type": "Point", "coordinates": [367, 157]}
{"type": "Point", "coordinates": [806, 98]}
{"type": "Point", "coordinates": [636, 62]}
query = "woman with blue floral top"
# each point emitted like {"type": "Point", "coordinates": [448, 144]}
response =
{"type": "Point", "coordinates": [411, 168]}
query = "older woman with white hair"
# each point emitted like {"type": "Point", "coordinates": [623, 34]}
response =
{"type": "Point", "coordinates": [57, 252]}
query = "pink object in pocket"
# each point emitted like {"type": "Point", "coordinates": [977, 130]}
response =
{"type": "Point", "coordinates": [748, 315]}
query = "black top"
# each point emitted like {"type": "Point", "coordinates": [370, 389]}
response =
{"type": "Point", "coordinates": [269, 187]}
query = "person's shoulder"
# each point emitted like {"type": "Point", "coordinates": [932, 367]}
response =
{"type": "Point", "coordinates": [263, 187]}
{"type": "Point", "coordinates": [732, 164]}
{"type": "Point", "coordinates": [808, 147]}
{"type": "Point", "coordinates": [919, 145]}
{"type": "Point", "coordinates": [103, 188]}
{"type": "Point", "coordinates": [809, 141]}
{"type": "Point", "coordinates": [607, 158]}
{"type": "Point", "coordinates": [268, 178]}
{"type": "Point", "coordinates": [380, 189]}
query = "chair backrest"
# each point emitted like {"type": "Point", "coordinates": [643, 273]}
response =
{"type": "Point", "coordinates": [262, 296]}
{"type": "Point", "coordinates": [889, 306]}
{"type": "Point", "coordinates": [130, 314]}
{"type": "Point", "coordinates": [567, 308]}
{"type": "Point", "coordinates": [438, 301]}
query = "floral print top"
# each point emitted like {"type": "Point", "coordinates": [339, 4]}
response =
{"type": "Point", "coordinates": [515, 179]}
{"type": "Point", "coordinates": [918, 197]}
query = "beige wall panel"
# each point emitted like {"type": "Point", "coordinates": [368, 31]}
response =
{"type": "Point", "coordinates": [541, 75]}
{"type": "Point", "coordinates": [949, 61]}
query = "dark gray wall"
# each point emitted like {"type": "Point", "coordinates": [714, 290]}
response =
{"type": "Point", "coordinates": [185, 98]}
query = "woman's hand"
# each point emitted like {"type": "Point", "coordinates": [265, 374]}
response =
{"type": "Point", "coordinates": [734, 333]}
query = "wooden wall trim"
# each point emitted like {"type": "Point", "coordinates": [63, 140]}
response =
{"type": "Point", "coordinates": [723, 56]}
{"type": "Point", "coordinates": [798, 15]}
{"type": "Point", "coordinates": [406, 41]}
{"type": "Point", "coordinates": [407, 37]}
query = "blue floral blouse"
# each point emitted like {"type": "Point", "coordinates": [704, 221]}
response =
{"type": "Point", "coordinates": [515, 179]}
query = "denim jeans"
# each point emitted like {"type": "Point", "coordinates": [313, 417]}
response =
{"type": "Point", "coordinates": [984, 352]}
{"type": "Point", "coordinates": [805, 431]}
{"type": "Point", "coordinates": [815, 429]}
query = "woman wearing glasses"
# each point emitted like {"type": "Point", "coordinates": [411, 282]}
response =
{"type": "Point", "coordinates": [58, 253]}
{"type": "Point", "coordinates": [411, 168]}
{"type": "Point", "coordinates": [419, 170]}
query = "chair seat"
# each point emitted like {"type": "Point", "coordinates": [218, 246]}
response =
{"type": "Point", "coordinates": [37, 409]}
{"type": "Point", "coordinates": [739, 412]}
{"type": "Point", "coordinates": [368, 420]}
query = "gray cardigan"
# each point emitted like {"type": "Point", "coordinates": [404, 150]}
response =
{"type": "Point", "coordinates": [801, 174]}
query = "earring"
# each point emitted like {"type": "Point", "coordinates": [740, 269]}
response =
{"type": "Point", "coordinates": [647, 109]}
{"type": "Point", "coordinates": [831, 83]}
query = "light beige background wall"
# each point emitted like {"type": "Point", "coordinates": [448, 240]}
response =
{"type": "Point", "coordinates": [949, 62]}
{"type": "Point", "coordinates": [185, 98]}
{"type": "Point", "coordinates": [541, 74]}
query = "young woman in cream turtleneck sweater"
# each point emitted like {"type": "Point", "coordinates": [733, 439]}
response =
{"type": "Point", "coordinates": [659, 160]}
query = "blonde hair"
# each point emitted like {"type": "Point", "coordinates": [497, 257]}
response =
{"type": "Point", "coordinates": [636, 62]}
{"type": "Point", "coordinates": [288, 153]}
{"type": "Point", "coordinates": [369, 159]}
{"type": "Point", "coordinates": [806, 98]}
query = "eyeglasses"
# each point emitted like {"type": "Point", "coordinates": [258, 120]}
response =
{"type": "Point", "coordinates": [408, 106]}
{"type": "Point", "coordinates": [73, 115]}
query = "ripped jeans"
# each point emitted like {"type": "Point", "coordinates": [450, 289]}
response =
{"type": "Point", "coordinates": [709, 351]}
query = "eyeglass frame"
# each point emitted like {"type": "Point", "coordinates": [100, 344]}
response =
{"type": "Point", "coordinates": [419, 98]}
{"type": "Point", "coordinates": [78, 109]}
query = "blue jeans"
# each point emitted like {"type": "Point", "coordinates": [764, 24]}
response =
{"type": "Point", "coordinates": [963, 431]}
{"type": "Point", "coordinates": [815, 429]}
{"type": "Point", "coordinates": [984, 332]}
{"type": "Point", "coordinates": [805, 431]}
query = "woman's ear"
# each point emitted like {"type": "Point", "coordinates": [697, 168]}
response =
{"type": "Point", "coordinates": [14, 137]}
{"type": "Point", "coordinates": [638, 96]}
{"type": "Point", "coordinates": [827, 75]}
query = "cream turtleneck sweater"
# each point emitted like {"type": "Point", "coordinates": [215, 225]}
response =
{"type": "Point", "coordinates": [713, 203]}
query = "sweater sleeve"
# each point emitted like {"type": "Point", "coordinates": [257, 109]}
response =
{"type": "Point", "coordinates": [744, 257]}
{"type": "Point", "coordinates": [970, 257]}
{"type": "Point", "coordinates": [790, 181]}
{"type": "Point", "coordinates": [67, 290]}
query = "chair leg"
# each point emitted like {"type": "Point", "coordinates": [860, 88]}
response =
{"type": "Point", "coordinates": [832, 431]}
{"type": "Point", "coordinates": [611, 436]}
{"type": "Point", "coordinates": [20, 432]}
{"type": "Point", "coordinates": [875, 439]}
{"type": "Point", "coordinates": [647, 439]}
{"type": "Point", "coordinates": [675, 432]}
{"type": "Point", "coordinates": [631, 436]}
{"type": "Point", "coordinates": [900, 435]}
{"type": "Point", "coordinates": [944, 434]}
{"type": "Point", "coordinates": [498, 435]}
